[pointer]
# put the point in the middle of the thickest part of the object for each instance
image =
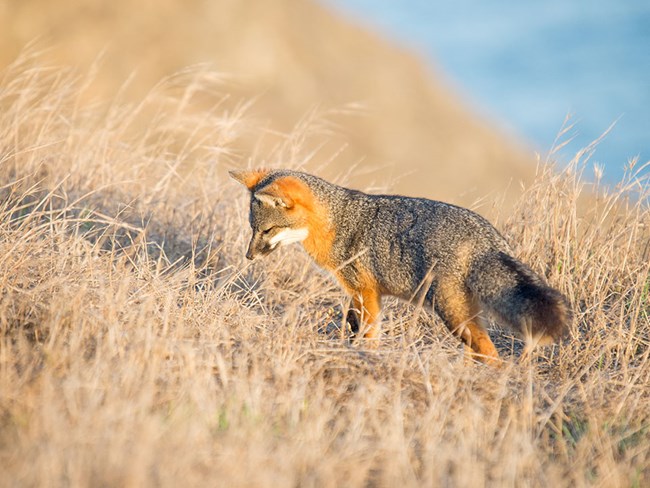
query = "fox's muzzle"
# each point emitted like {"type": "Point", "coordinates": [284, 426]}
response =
{"type": "Point", "coordinates": [257, 247]}
{"type": "Point", "coordinates": [251, 253]}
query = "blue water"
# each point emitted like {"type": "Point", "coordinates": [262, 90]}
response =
{"type": "Point", "coordinates": [529, 65]}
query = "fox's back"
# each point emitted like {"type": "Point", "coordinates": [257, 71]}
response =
{"type": "Point", "coordinates": [406, 241]}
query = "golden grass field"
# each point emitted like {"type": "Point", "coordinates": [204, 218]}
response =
{"type": "Point", "coordinates": [138, 347]}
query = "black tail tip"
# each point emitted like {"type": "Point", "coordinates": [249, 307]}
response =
{"type": "Point", "coordinates": [551, 318]}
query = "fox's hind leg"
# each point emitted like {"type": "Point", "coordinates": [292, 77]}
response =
{"type": "Point", "coordinates": [460, 313]}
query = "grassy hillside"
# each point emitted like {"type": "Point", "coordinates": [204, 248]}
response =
{"type": "Point", "coordinates": [139, 348]}
{"type": "Point", "coordinates": [381, 110]}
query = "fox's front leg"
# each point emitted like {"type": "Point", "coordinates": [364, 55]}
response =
{"type": "Point", "coordinates": [352, 318]}
{"type": "Point", "coordinates": [363, 312]}
{"type": "Point", "coordinates": [366, 301]}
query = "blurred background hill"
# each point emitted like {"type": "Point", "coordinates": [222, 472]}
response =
{"type": "Point", "coordinates": [527, 65]}
{"type": "Point", "coordinates": [377, 107]}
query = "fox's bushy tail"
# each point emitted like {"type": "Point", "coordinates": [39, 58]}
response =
{"type": "Point", "coordinates": [519, 298]}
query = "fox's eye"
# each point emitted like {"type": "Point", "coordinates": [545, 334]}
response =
{"type": "Point", "coordinates": [266, 231]}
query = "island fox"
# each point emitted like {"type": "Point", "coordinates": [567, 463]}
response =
{"type": "Point", "coordinates": [445, 257]}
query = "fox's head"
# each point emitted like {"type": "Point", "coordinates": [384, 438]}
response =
{"type": "Point", "coordinates": [279, 209]}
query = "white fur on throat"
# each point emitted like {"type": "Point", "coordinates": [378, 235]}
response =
{"type": "Point", "coordinates": [289, 236]}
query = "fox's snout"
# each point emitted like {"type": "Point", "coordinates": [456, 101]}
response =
{"type": "Point", "coordinates": [252, 251]}
{"type": "Point", "coordinates": [258, 246]}
{"type": "Point", "coordinates": [264, 242]}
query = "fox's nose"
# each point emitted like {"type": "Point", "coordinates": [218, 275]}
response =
{"type": "Point", "coordinates": [250, 253]}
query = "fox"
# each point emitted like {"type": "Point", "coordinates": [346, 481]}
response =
{"type": "Point", "coordinates": [426, 252]}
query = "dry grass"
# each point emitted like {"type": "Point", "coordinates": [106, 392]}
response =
{"type": "Point", "coordinates": [137, 347]}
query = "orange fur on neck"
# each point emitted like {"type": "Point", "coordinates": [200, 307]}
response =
{"type": "Point", "coordinates": [321, 236]}
{"type": "Point", "coordinates": [303, 203]}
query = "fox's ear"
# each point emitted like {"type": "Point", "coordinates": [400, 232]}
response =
{"type": "Point", "coordinates": [273, 198]}
{"type": "Point", "coordinates": [249, 179]}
